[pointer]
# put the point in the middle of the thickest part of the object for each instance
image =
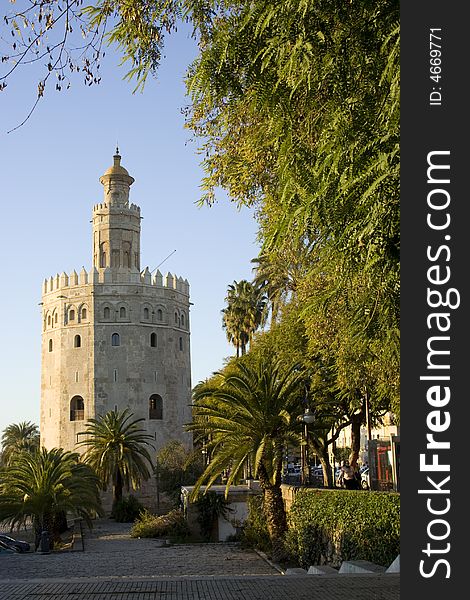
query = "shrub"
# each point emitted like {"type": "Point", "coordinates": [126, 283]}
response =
{"type": "Point", "coordinates": [210, 506]}
{"type": "Point", "coordinates": [255, 531]}
{"type": "Point", "coordinates": [127, 510]}
{"type": "Point", "coordinates": [328, 527]}
{"type": "Point", "coordinates": [172, 525]}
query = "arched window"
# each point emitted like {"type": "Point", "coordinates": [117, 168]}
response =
{"type": "Point", "coordinates": [83, 313]}
{"type": "Point", "coordinates": [153, 340]}
{"type": "Point", "coordinates": [50, 345]}
{"type": "Point", "coordinates": [122, 312]}
{"type": "Point", "coordinates": [106, 312]}
{"type": "Point", "coordinates": [77, 409]}
{"type": "Point", "coordinates": [115, 340]}
{"type": "Point", "coordinates": [49, 319]}
{"type": "Point", "coordinates": [182, 319]}
{"type": "Point", "coordinates": [77, 341]}
{"type": "Point", "coordinates": [176, 317]}
{"type": "Point", "coordinates": [160, 314]}
{"type": "Point", "coordinates": [55, 317]}
{"type": "Point", "coordinates": [155, 407]}
{"type": "Point", "coordinates": [146, 313]}
{"type": "Point", "coordinates": [181, 343]}
{"type": "Point", "coordinates": [72, 315]}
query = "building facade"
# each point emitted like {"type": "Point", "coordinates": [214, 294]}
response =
{"type": "Point", "coordinates": [115, 336]}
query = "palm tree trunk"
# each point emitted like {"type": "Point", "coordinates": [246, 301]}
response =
{"type": "Point", "coordinates": [326, 466]}
{"type": "Point", "coordinates": [117, 488]}
{"type": "Point", "coordinates": [275, 514]}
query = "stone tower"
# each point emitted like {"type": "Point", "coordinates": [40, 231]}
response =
{"type": "Point", "coordinates": [115, 336]}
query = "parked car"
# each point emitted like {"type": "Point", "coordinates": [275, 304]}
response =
{"type": "Point", "coordinates": [15, 545]}
{"type": "Point", "coordinates": [5, 549]}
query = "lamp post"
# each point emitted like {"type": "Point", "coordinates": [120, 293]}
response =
{"type": "Point", "coordinates": [308, 417]}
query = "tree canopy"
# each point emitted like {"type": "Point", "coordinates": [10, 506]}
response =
{"type": "Point", "coordinates": [19, 437]}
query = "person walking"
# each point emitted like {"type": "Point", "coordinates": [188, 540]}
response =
{"type": "Point", "coordinates": [347, 476]}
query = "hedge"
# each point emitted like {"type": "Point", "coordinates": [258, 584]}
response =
{"type": "Point", "coordinates": [330, 526]}
{"type": "Point", "coordinates": [255, 531]}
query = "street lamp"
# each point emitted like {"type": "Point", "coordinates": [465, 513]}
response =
{"type": "Point", "coordinates": [308, 417]}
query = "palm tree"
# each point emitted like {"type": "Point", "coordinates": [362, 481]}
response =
{"type": "Point", "coordinates": [244, 313]}
{"type": "Point", "coordinates": [248, 412]}
{"type": "Point", "coordinates": [117, 451]}
{"type": "Point", "coordinates": [45, 484]}
{"type": "Point", "coordinates": [19, 437]}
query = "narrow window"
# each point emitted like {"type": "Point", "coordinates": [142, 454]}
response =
{"type": "Point", "coordinates": [77, 409]}
{"type": "Point", "coordinates": [153, 340]}
{"type": "Point", "coordinates": [155, 407]}
{"type": "Point", "coordinates": [155, 376]}
{"type": "Point", "coordinates": [182, 319]}
{"type": "Point", "coordinates": [115, 340]}
{"type": "Point", "coordinates": [102, 255]}
{"type": "Point", "coordinates": [106, 312]}
{"type": "Point", "coordinates": [77, 341]}
{"type": "Point", "coordinates": [160, 314]}
{"type": "Point", "coordinates": [76, 376]}
{"type": "Point", "coordinates": [122, 312]}
{"type": "Point", "coordinates": [146, 313]}
{"type": "Point", "coordinates": [55, 317]}
{"type": "Point", "coordinates": [176, 317]}
{"type": "Point", "coordinates": [83, 313]}
{"type": "Point", "coordinates": [181, 343]}
{"type": "Point", "coordinates": [72, 315]}
{"type": "Point", "coordinates": [50, 345]}
{"type": "Point", "coordinates": [49, 320]}
{"type": "Point", "coordinates": [115, 375]}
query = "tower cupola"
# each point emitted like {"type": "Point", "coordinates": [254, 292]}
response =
{"type": "Point", "coordinates": [116, 181]}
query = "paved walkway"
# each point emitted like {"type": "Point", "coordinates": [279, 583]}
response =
{"type": "Point", "coordinates": [117, 567]}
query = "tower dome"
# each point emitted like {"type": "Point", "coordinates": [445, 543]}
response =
{"type": "Point", "coordinates": [116, 181]}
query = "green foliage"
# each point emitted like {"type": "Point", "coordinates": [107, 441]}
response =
{"type": "Point", "coordinates": [342, 453]}
{"type": "Point", "coordinates": [117, 449]}
{"type": "Point", "coordinates": [177, 466]}
{"type": "Point", "coordinates": [210, 507]}
{"type": "Point", "coordinates": [255, 530]}
{"type": "Point", "coordinates": [127, 509]}
{"type": "Point", "coordinates": [172, 525]}
{"type": "Point", "coordinates": [328, 527]}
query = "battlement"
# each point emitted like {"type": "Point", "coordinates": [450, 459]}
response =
{"type": "Point", "coordinates": [123, 276]}
{"type": "Point", "coordinates": [105, 206]}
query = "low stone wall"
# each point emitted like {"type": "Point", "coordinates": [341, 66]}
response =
{"type": "Point", "coordinates": [288, 494]}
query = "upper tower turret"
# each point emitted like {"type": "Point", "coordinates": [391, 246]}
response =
{"type": "Point", "coordinates": [116, 223]}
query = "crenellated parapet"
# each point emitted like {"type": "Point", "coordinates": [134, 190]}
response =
{"type": "Point", "coordinates": [105, 207]}
{"type": "Point", "coordinates": [65, 281]}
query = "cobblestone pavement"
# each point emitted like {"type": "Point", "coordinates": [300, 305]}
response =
{"type": "Point", "coordinates": [117, 567]}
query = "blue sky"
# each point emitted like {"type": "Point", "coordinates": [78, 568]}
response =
{"type": "Point", "coordinates": [50, 169]}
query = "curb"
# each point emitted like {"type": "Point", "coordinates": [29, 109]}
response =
{"type": "Point", "coordinates": [270, 563]}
